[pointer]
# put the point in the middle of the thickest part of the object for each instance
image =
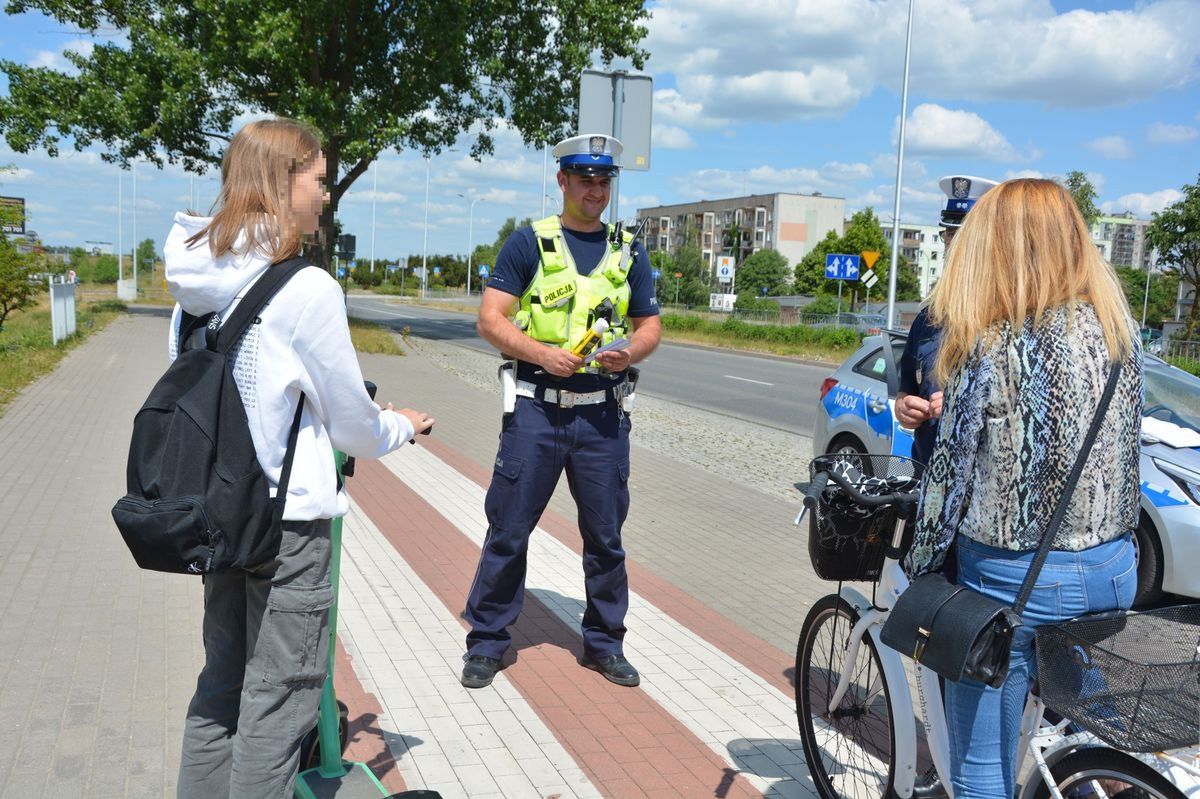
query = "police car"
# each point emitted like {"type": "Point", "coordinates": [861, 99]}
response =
{"type": "Point", "coordinates": [857, 415]}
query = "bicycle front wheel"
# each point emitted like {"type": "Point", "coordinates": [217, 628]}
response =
{"type": "Point", "coordinates": [850, 748]}
{"type": "Point", "coordinates": [1089, 773]}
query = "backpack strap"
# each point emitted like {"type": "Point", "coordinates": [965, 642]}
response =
{"type": "Point", "coordinates": [188, 325]}
{"type": "Point", "coordinates": [285, 473]}
{"type": "Point", "coordinates": [266, 287]}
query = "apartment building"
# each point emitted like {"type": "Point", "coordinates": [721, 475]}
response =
{"type": "Point", "coordinates": [923, 247]}
{"type": "Point", "coordinates": [791, 224]}
{"type": "Point", "coordinates": [1121, 239]}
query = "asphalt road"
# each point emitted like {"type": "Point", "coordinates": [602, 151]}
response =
{"type": "Point", "coordinates": [769, 391]}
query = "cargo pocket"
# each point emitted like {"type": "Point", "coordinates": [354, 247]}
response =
{"type": "Point", "coordinates": [294, 634]}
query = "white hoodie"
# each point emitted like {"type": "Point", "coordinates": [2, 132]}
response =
{"type": "Point", "coordinates": [301, 344]}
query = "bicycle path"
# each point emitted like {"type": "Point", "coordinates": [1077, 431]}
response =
{"type": "Point", "coordinates": [98, 659]}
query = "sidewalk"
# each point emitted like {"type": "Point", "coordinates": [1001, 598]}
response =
{"type": "Point", "coordinates": [98, 659]}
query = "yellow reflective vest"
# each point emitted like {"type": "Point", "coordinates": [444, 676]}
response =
{"type": "Point", "coordinates": [559, 305]}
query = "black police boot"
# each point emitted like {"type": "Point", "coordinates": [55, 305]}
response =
{"type": "Point", "coordinates": [615, 668]}
{"type": "Point", "coordinates": [478, 671]}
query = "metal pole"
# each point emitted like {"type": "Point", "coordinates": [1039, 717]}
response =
{"type": "Point", "coordinates": [470, 242]}
{"type": "Point", "coordinates": [120, 228]}
{"type": "Point", "coordinates": [135, 241]}
{"type": "Point", "coordinates": [895, 264]}
{"type": "Point", "coordinates": [374, 196]}
{"type": "Point", "coordinates": [1146, 294]}
{"type": "Point", "coordinates": [618, 108]}
{"type": "Point", "coordinates": [545, 155]}
{"type": "Point", "coordinates": [425, 237]}
{"type": "Point", "coordinates": [839, 310]}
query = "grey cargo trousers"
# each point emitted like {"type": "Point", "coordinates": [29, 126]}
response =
{"type": "Point", "coordinates": [266, 644]}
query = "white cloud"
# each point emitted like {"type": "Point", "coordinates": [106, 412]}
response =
{"type": "Point", "coordinates": [1114, 147]}
{"type": "Point", "coordinates": [1142, 205]}
{"type": "Point", "coordinates": [16, 175]}
{"type": "Point", "coordinates": [670, 137]}
{"type": "Point", "coordinates": [808, 58]}
{"type": "Point", "coordinates": [640, 201]}
{"type": "Point", "coordinates": [1014, 174]}
{"type": "Point", "coordinates": [1164, 133]}
{"type": "Point", "coordinates": [368, 195]}
{"type": "Point", "coordinates": [839, 172]}
{"type": "Point", "coordinates": [933, 130]}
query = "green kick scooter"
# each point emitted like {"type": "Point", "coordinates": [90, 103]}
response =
{"type": "Point", "coordinates": [327, 775]}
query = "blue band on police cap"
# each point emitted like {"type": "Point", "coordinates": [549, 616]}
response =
{"type": "Point", "coordinates": [962, 206]}
{"type": "Point", "coordinates": [583, 159]}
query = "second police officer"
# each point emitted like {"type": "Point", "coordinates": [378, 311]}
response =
{"type": "Point", "coordinates": [553, 282]}
{"type": "Point", "coordinates": [919, 399]}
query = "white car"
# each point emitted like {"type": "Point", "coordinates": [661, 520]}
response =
{"type": "Point", "coordinates": [858, 401]}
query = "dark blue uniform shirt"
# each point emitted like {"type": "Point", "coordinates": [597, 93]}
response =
{"type": "Point", "coordinates": [916, 377]}
{"type": "Point", "coordinates": [516, 267]}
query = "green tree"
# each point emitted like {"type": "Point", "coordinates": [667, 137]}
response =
{"type": "Point", "coordinates": [1159, 302]}
{"type": "Point", "coordinates": [146, 256]}
{"type": "Point", "coordinates": [1175, 233]}
{"type": "Point", "coordinates": [1084, 194]}
{"type": "Point", "coordinates": [18, 287]}
{"type": "Point", "coordinates": [166, 79]}
{"type": "Point", "coordinates": [105, 269]}
{"type": "Point", "coordinates": [766, 268]}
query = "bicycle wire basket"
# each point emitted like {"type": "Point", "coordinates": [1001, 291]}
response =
{"type": "Point", "coordinates": [846, 540]}
{"type": "Point", "coordinates": [1132, 679]}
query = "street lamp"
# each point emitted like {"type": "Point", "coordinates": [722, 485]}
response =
{"type": "Point", "coordinates": [470, 239]}
{"type": "Point", "coordinates": [425, 235]}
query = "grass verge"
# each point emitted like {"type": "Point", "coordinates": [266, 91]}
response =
{"type": "Point", "coordinates": [373, 338]}
{"type": "Point", "coordinates": [26, 351]}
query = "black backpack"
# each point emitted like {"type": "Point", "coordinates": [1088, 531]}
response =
{"type": "Point", "coordinates": [198, 500]}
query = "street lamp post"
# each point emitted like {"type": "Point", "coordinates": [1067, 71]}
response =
{"type": "Point", "coordinates": [891, 293]}
{"type": "Point", "coordinates": [374, 197]}
{"type": "Point", "coordinates": [470, 239]}
{"type": "Point", "coordinates": [425, 235]}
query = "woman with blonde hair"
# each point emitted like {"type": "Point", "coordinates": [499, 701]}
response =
{"type": "Point", "coordinates": [1032, 321]}
{"type": "Point", "coordinates": [265, 628]}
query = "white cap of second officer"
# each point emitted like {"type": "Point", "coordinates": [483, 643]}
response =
{"type": "Point", "coordinates": [963, 191]}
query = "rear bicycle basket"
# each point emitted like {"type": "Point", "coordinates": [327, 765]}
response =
{"type": "Point", "coordinates": [846, 540]}
{"type": "Point", "coordinates": [1132, 679]}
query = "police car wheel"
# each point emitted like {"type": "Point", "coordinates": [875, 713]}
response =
{"type": "Point", "coordinates": [1149, 563]}
{"type": "Point", "coordinates": [847, 444]}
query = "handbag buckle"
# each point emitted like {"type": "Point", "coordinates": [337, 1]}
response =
{"type": "Point", "coordinates": [919, 645]}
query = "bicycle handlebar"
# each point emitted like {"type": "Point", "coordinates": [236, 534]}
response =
{"type": "Point", "coordinates": [821, 479]}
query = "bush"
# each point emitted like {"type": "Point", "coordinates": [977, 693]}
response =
{"type": "Point", "coordinates": [103, 270]}
{"type": "Point", "coordinates": [824, 304]}
{"type": "Point", "coordinates": [839, 338]}
{"type": "Point", "coordinates": [364, 277]}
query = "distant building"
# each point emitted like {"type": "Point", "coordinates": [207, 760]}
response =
{"type": "Point", "coordinates": [1121, 239]}
{"type": "Point", "coordinates": [923, 247]}
{"type": "Point", "coordinates": [791, 224]}
{"type": "Point", "coordinates": [99, 247]}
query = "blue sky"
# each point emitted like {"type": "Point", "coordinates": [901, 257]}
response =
{"type": "Point", "coordinates": [763, 96]}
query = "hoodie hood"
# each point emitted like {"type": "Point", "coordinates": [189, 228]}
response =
{"type": "Point", "coordinates": [199, 282]}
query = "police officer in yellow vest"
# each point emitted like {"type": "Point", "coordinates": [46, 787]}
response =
{"type": "Point", "coordinates": [556, 285]}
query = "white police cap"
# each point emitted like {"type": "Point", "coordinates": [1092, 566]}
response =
{"type": "Point", "coordinates": [963, 191]}
{"type": "Point", "coordinates": [589, 154]}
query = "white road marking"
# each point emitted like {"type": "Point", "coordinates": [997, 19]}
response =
{"type": "Point", "coordinates": [748, 380]}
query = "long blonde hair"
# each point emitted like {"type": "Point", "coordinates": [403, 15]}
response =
{"type": "Point", "coordinates": [1023, 249]}
{"type": "Point", "coordinates": [256, 186]}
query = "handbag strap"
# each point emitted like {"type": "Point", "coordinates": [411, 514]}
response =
{"type": "Point", "coordinates": [1060, 510]}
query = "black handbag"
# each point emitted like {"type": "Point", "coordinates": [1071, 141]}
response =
{"type": "Point", "coordinates": [958, 632]}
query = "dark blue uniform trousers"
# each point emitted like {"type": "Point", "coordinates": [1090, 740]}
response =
{"type": "Point", "coordinates": [540, 440]}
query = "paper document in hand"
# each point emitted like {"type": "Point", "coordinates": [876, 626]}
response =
{"type": "Point", "coordinates": [1170, 434]}
{"type": "Point", "coordinates": [619, 344]}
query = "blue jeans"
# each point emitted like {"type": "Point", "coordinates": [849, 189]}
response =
{"type": "Point", "coordinates": [985, 723]}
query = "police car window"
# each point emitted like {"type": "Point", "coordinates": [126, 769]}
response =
{"type": "Point", "coordinates": [874, 365]}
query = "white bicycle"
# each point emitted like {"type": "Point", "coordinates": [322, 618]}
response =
{"type": "Point", "coordinates": [853, 698]}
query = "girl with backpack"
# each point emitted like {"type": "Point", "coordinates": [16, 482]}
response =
{"type": "Point", "coordinates": [266, 627]}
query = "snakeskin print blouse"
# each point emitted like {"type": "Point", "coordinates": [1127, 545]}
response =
{"type": "Point", "coordinates": [1013, 419]}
